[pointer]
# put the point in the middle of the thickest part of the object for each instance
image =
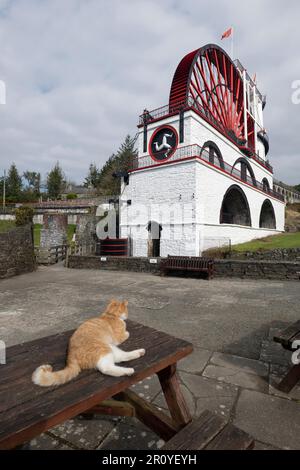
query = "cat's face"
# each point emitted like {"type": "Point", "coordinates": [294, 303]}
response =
{"type": "Point", "coordinates": [119, 309]}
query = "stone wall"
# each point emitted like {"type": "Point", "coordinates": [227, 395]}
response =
{"type": "Point", "coordinates": [86, 228]}
{"type": "Point", "coordinates": [113, 263]}
{"type": "Point", "coordinates": [278, 254]}
{"type": "Point", "coordinates": [54, 231]}
{"type": "Point", "coordinates": [278, 270]}
{"type": "Point", "coordinates": [16, 252]}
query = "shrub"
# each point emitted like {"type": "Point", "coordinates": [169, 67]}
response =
{"type": "Point", "coordinates": [71, 196]}
{"type": "Point", "coordinates": [24, 215]}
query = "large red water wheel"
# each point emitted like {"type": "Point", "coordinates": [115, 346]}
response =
{"type": "Point", "coordinates": [208, 80]}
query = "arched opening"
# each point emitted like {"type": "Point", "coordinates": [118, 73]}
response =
{"type": "Point", "coordinates": [154, 234]}
{"type": "Point", "coordinates": [266, 185]}
{"type": "Point", "coordinates": [267, 215]}
{"type": "Point", "coordinates": [215, 155]}
{"type": "Point", "coordinates": [235, 208]}
{"type": "Point", "coordinates": [245, 171]}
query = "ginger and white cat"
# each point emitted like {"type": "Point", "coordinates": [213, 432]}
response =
{"type": "Point", "coordinates": [94, 345]}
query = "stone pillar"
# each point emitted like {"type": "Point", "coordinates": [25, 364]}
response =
{"type": "Point", "coordinates": [54, 231]}
{"type": "Point", "coordinates": [86, 228]}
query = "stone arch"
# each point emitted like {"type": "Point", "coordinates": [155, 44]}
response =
{"type": "Point", "coordinates": [215, 154]}
{"type": "Point", "coordinates": [266, 185]}
{"type": "Point", "coordinates": [267, 217]}
{"type": "Point", "coordinates": [235, 207]}
{"type": "Point", "coordinates": [245, 168]}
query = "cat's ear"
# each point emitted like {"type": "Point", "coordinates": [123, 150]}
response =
{"type": "Point", "coordinates": [112, 305]}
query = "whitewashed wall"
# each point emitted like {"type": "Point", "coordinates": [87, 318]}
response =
{"type": "Point", "coordinates": [195, 192]}
{"type": "Point", "coordinates": [197, 131]}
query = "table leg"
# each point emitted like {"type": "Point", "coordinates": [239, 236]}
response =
{"type": "Point", "coordinates": [290, 380]}
{"type": "Point", "coordinates": [171, 388]}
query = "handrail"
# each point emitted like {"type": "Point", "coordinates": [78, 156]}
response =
{"type": "Point", "coordinates": [195, 151]}
{"type": "Point", "coordinates": [151, 116]}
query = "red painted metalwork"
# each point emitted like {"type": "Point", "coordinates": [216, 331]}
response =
{"type": "Point", "coordinates": [166, 126]}
{"type": "Point", "coordinates": [209, 81]}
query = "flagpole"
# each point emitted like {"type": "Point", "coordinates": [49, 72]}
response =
{"type": "Point", "coordinates": [232, 58]}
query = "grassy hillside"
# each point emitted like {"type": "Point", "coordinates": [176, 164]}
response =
{"type": "Point", "coordinates": [284, 240]}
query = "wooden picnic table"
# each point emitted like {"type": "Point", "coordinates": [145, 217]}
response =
{"type": "Point", "coordinates": [287, 338]}
{"type": "Point", "coordinates": [27, 410]}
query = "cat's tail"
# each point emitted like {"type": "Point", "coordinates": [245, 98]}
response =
{"type": "Point", "coordinates": [45, 377]}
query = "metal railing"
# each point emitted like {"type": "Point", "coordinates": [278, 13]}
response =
{"type": "Point", "coordinates": [151, 116]}
{"type": "Point", "coordinates": [50, 255]}
{"type": "Point", "coordinates": [195, 151]}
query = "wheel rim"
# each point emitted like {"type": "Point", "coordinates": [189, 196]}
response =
{"type": "Point", "coordinates": [208, 80]}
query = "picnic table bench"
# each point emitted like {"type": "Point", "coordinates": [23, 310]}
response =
{"type": "Point", "coordinates": [286, 338]}
{"type": "Point", "coordinates": [187, 263]}
{"type": "Point", "coordinates": [27, 410]}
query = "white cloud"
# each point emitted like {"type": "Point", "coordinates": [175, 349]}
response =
{"type": "Point", "coordinates": [79, 72]}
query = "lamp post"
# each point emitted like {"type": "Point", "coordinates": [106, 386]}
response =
{"type": "Point", "coordinates": [4, 190]}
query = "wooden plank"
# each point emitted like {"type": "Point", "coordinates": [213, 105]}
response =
{"type": "Point", "coordinates": [171, 389]}
{"type": "Point", "coordinates": [112, 408]}
{"type": "Point", "coordinates": [148, 414]}
{"type": "Point", "coordinates": [231, 438]}
{"type": "Point", "coordinates": [198, 434]}
{"type": "Point", "coordinates": [34, 409]}
{"type": "Point", "coordinates": [290, 380]}
{"type": "Point", "coordinates": [286, 336]}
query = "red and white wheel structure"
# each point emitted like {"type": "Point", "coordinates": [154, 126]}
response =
{"type": "Point", "coordinates": [208, 80]}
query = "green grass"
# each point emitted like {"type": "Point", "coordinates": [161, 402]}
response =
{"type": "Point", "coordinates": [37, 233]}
{"type": "Point", "coordinates": [284, 240]}
{"type": "Point", "coordinates": [6, 225]}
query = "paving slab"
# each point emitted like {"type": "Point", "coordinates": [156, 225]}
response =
{"type": "Point", "coordinates": [238, 363]}
{"type": "Point", "coordinates": [210, 394]}
{"type": "Point", "coordinates": [148, 388]}
{"type": "Point", "coordinates": [126, 437]}
{"type": "Point", "coordinates": [47, 442]}
{"type": "Point", "coordinates": [196, 361]}
{"type": "Point", "coordinates": [262, 446]}
{"type": "Point", "coordinates": [84, 433]}
{"type": "Point", "coordinates": [274, 353]}
{"type": "Point", "coordinates": [237, 377]}
{"type": "Point", "coordinates": [269, 419]}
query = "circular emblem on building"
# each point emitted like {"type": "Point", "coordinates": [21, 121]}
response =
{"type": "Point", "coordinates": [163, 143]}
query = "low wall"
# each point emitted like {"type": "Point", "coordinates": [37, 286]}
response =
{"type": "Point", "coordinates": [16, 252]}
{"type": "Point", "coordinates": [113, 263]}
{"type": "Point", "coordinates": [279, 254]}
{"type": "Point", "coordinates": [223, 268]}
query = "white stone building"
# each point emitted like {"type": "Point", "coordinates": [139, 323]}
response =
{"type": "Point", "coordinates": [202, 177]}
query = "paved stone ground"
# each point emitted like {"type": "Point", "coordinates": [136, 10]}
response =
{"type": "Point", "coordinates": [231, 323]}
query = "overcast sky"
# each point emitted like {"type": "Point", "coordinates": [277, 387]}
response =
{"type": "Point", "coordinates": [79, 72]}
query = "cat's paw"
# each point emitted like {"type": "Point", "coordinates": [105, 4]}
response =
{"type": "Point", "coordinates": [129, 371]}
{"type": "Point", "coordinates": [141, 352]}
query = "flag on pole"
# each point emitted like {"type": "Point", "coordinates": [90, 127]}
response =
{"type": "Point", "coordinates": [227, 33]}
{"type": "Point", "coordinates": [254, 78]}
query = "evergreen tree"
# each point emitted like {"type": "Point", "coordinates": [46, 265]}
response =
{"type": "Point", "coordinates": [122, 161]}
{"type": "Point", "coordinates": [13, 184]}
{"type": "Point", "coordinates": [297, 187]}
{"type": "Point", "coordinates": [92, 179]}
{"type": "Point", "coordinates": [33, 181]}
{"type": "Point", "coordinates": [55, 182]}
